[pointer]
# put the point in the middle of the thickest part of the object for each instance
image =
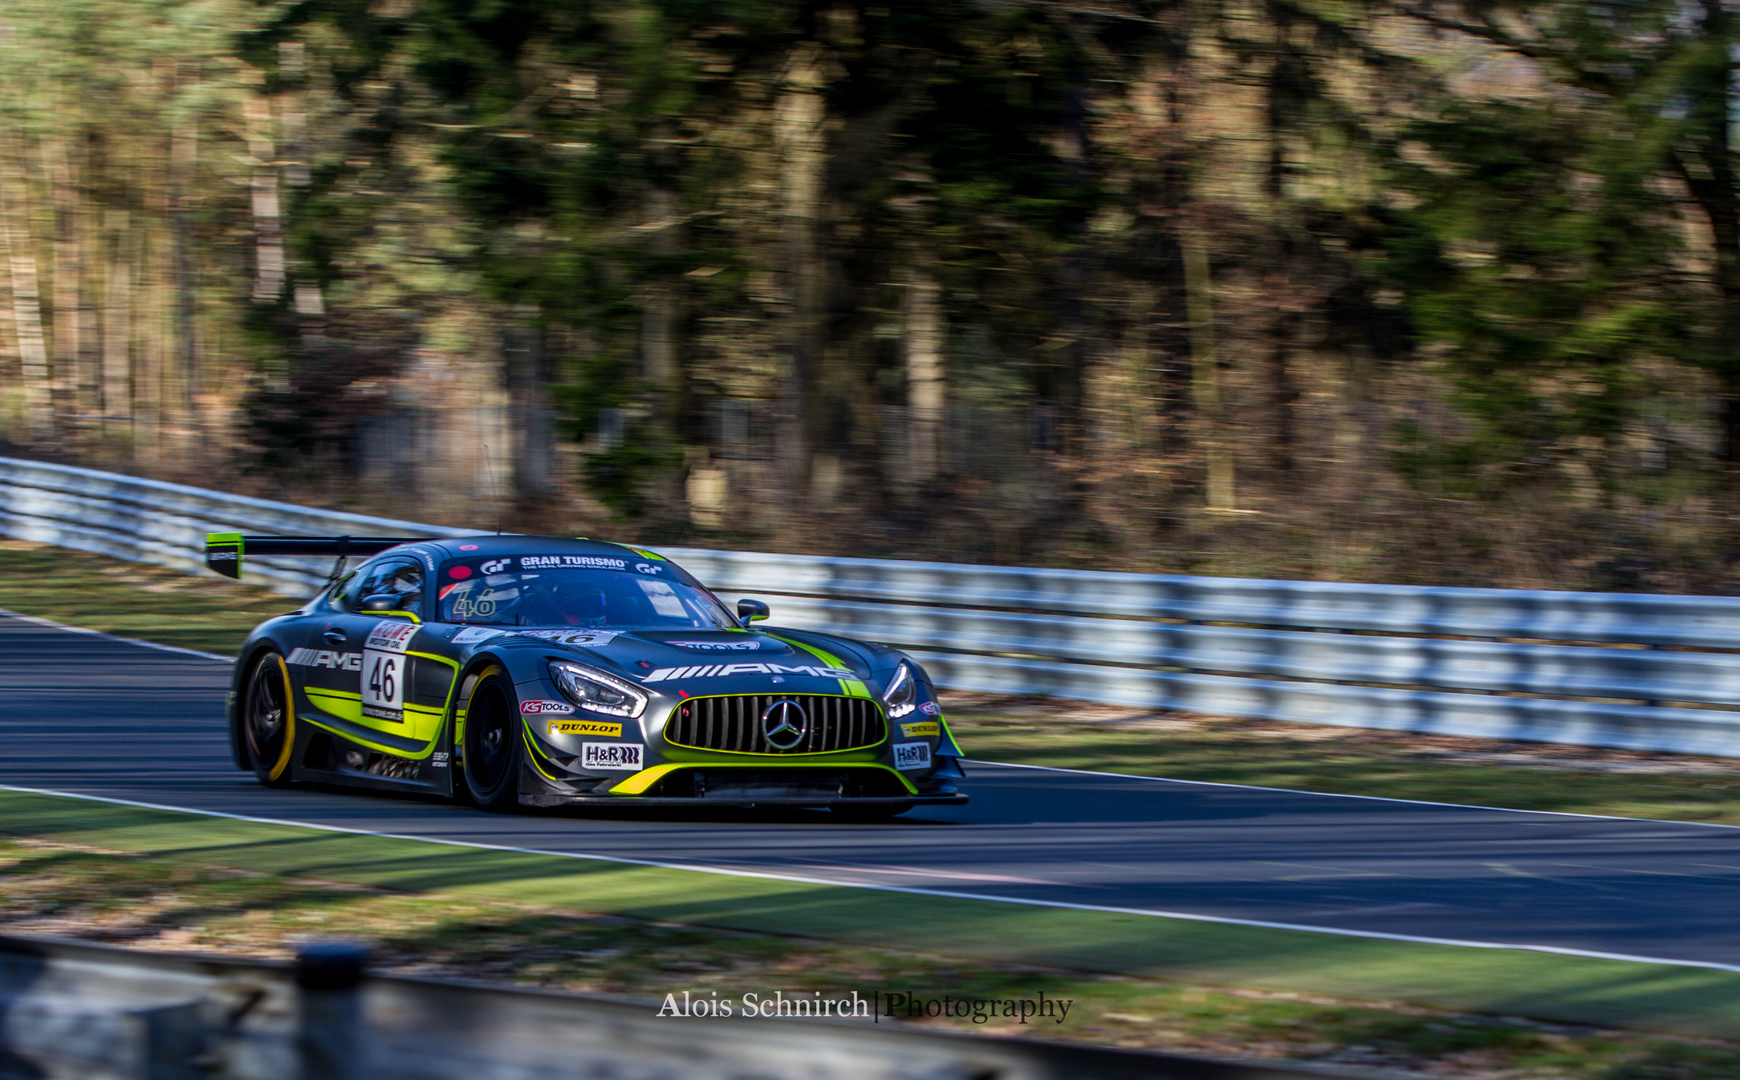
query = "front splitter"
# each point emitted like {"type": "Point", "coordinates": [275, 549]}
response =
{"type": "Point", "coordinates": [788, 801]}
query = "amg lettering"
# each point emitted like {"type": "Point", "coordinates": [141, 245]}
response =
{"type": "Point", "coordinates": [720, 671]}
{"type": "Point", "coordinates": [325, 658]}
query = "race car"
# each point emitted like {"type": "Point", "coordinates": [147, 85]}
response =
{"type": "Point", "coordinates": [517, 671]}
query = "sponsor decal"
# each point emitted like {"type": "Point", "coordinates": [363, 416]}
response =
{"type": "Point", "coordinates": [585, 639]}
{"type": "Point", "coordinates": [552, 562]}
{"type": "Point", "coordinates": [733, 646]}
{"type": "Point", "coordinates": [647, 568]}
{"type": "Point", "coordinates": [476, 633]}
{"type": "Point", "coordinates": [220, 556]}
{"type": "Point", "coordinates": [383, 670]}
{"type": "Point", "coordinates": [391, 635]}
{"type": "Point", "coordinates": [325, 658]}
{"type": "Point", "coordinates": [495, 566]}
{"type": "Point", "coordinates": [459, 573]}
{"type": "Point", "coordinates": [534, 708]}
{"type": "Point", "coordinates": [467, 608]}
{"type": "Point", "coordinates": [438, 760]}
{"type": "Point", "coordinates": [912, 755]}
{"type": "Point", "coordinates": [610, 755]}
{"type": "Point", "coordinates": [930, 708]}
{"type": "Point", "coordinates": [584, 727]}
{"type": "Point", "coordinates": [726, 671]}
{"type": "Point", "coordinates": [930, 729]}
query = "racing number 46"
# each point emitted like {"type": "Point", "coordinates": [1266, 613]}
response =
{"type": "Point", "coordinates": [383, 679]}
{"type": "Point", "coordinates": [383, 684]}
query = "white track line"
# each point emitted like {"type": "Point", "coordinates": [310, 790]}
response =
{"type": "Point", "coordinates": [726, 871]}
{"type": "Point", "coordinates": [115, 637]}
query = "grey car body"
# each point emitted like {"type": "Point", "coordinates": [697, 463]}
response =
{"type": "Point", "coordinates": [541, 671]}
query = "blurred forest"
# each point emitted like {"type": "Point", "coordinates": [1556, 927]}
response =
{"type": "Point", "coordinates": [1440, 291]}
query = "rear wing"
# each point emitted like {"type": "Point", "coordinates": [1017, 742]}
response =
{"type": "Point", "coordinates": [223, 551]}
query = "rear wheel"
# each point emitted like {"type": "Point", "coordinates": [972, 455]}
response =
{"type": "Point", "coordinates": [492, 745]}
{"type": "Point", "coordinates": [269, 720]}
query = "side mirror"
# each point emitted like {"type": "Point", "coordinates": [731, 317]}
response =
{"type": "Point", "coordinates": [749, 611]}
{"type": "Point", "coordinates": [380, 602]}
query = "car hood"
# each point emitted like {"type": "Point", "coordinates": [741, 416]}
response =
{"type": "Point", "coordinates": [701, 661]}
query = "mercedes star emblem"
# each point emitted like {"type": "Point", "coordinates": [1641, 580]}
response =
{"type": "Point", "coordinates": [784, 724]}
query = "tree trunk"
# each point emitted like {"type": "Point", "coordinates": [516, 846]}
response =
{"type": "Point", "coordinates": [26, 298]}
{"type": "Point", "coordinates": [801, 144]}
{"type": "Point", "coordinates": [118, 324]}
{"type": "Point", "coordinates": [268, 218]}
{"type": "Point", "coordinates": [925, 383]}
{"type": "Point", "coordinates": [660, 365]}
{"type": "Point", "coordinates": [528, 404]}
{"type": "Point", "coordinates": [68, 276]}
{"type": "Point", "coordinates": [183, 159]}
{"type": "Point", "coordinates": [1206, 371]}
{"type": "Point", "coordinates": [1282, 395]}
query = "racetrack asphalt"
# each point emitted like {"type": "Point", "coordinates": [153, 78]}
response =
{"type": "Point", "coordinates": [86, 714]}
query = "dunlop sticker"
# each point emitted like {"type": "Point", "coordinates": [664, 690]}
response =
{"type": "Point", "coordinates": [583, 727]}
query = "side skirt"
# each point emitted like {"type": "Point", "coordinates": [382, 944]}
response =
{"type": "Point", "coordinates": [323, 757]}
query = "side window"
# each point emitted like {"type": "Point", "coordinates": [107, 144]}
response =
{"type": "Point", "coordinates": [401, 579]}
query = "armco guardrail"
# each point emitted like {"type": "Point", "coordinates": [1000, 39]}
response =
{"type": "Point", "coordinates": [1606, 669]}
{"type": "Point", "coordinates": [87, 1011]}
{"type": "Point", "coordinates": [151, 521]}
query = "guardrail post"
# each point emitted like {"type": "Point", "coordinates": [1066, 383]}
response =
{"type": "Point", "coordinates": [329, 1035]}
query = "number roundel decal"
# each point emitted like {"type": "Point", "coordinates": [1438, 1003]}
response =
{"type": "Point", "coordinates": [383, 670]}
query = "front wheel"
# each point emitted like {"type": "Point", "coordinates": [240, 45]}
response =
{"type": "Point", "coordinates": [492, 745]}
{"type": "Point", "coordinates": [269, 720]}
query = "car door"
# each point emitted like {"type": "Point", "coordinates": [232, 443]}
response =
{"type": "Point", "coordinates": [361, 680]}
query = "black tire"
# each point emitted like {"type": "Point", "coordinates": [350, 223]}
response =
{"type": "Point", "coordinates": [491, 772]}
{"type": "Point", "coordinates": [268, 720]}
{"type": "Point", "coordinates": [868, 815]}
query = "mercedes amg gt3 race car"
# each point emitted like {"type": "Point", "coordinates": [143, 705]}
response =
{"type": "Point", "coordinates": [535, 671]}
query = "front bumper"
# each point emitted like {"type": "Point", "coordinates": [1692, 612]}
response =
{"type": "Point", "coordinates": [863, 784]}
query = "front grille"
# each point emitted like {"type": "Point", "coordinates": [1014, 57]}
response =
{"type": "Point", "coordinates": [734, 723]}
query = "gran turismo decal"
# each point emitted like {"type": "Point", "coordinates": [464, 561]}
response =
{"type": "Point", "coordinates": [611, 755]}
{"type": "Point", "coordinates": [495, 566]}
{"type": "Point", "coordinates": [912, 755]}
{"type": "Point", "coordinates": [551, 562]}
{"type": "Point", "coordinates": [930, 729]}
{"type": "Point", "coordinates": [588, 639]}
{"type": "Point", "coordinates": [583, 727]}
{"type": "Point", "coordinates": [339, 661]}
{"type": "Point", "coordinates": [536, 708]}
{"type": "Point", "coordinates": [734, 646]}
{"type": "Point", "coordinates": [647, 568]}
{"type": "Point", "coordinates": [725, 671]}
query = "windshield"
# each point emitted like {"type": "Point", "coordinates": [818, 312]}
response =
{"type": "Point", "coordinates": [503, 592]}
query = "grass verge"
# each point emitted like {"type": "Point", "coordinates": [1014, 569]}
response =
{"type": "Point", "coordinates": [136, 600]}
{"type": "Point", "coordinates": [146, 878]}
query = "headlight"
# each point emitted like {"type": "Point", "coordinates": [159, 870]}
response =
{"type": "Point", "coordinates": [901, 690]}
{"type": "Point", "coordinates": [596, 691]}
